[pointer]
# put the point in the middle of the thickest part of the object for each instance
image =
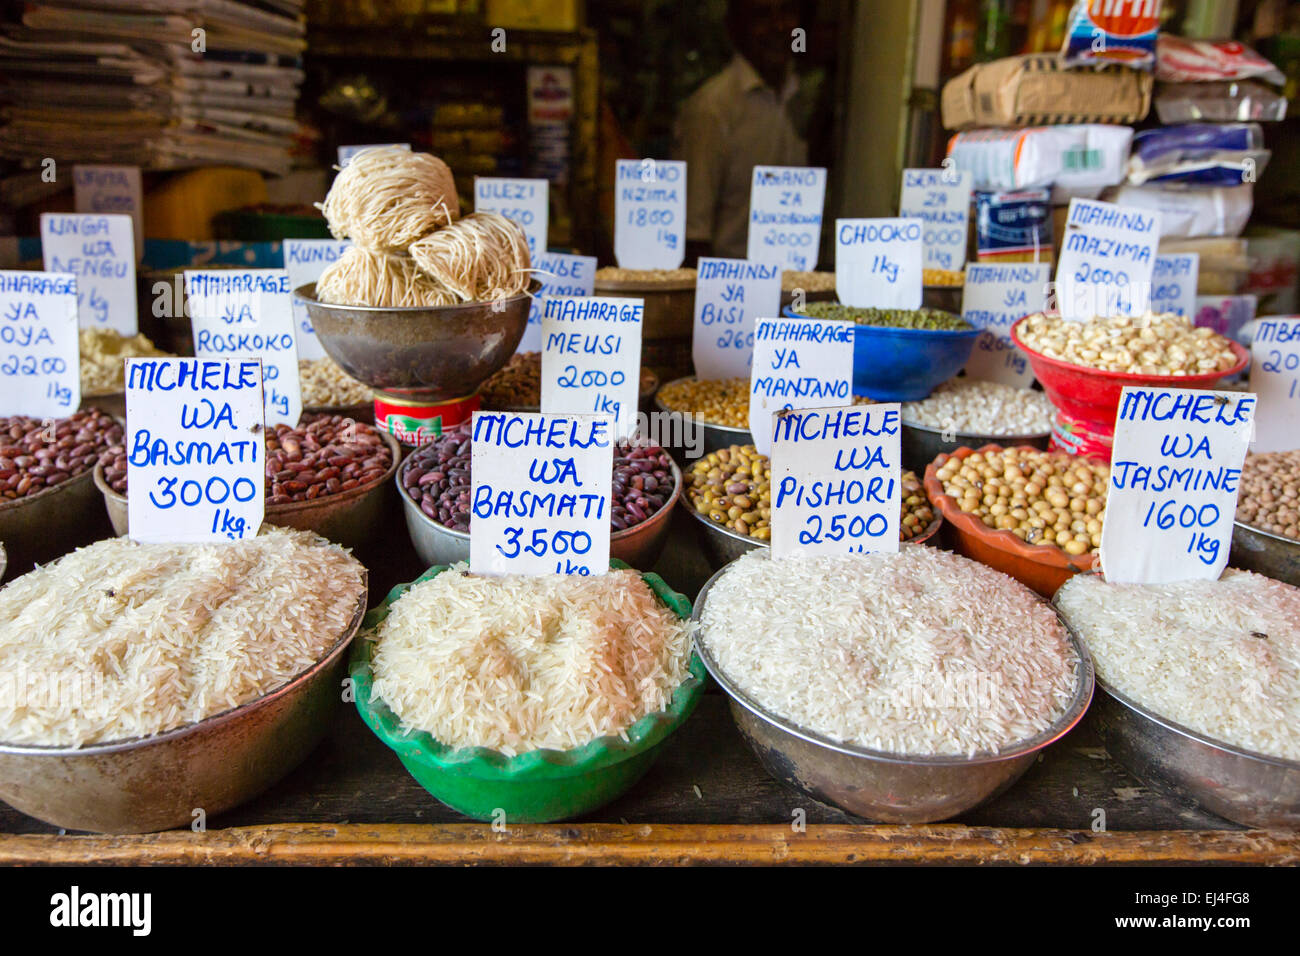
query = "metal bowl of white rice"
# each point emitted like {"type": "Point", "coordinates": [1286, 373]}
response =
{"type": "Point", "coordinates": [889, 785]}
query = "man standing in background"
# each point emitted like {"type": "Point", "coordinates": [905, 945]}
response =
{"type": "Point", "coordinates": [736, 120]}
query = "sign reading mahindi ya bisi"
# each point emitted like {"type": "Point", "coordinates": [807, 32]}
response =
{"type": "Point", "coordinates": [540, 496]}
{"type": "Point", "coordinates": [729, 295]}
{"type": "Point", "coordinates": [835, 480]}
{"type": "Point", "coordinates": [1174, 480]}
{"type": "Point", "coordinates": [798, 363]}
{"type": "Point", "coordinates": [196, 447]}
{"type": "Point", "coordinates": [995, 297]}
{"type": "Point", "coordinates": [40, 372]}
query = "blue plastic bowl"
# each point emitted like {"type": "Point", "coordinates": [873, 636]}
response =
{"type": "Point", "coordinates": [904, 365]}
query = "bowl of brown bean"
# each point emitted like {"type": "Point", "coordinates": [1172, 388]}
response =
{"type": "Point", "coordinates": [329, 475]}
{"type": "Point", "coordinates": [729, 496]}
{"type": "Point", "coordinates": [48, 504]}
{"type": "Point", "coordinates": [434, 483]}
{"type": "Point", "coordinates": [1035, 515]}
{"type": "Point", "coordinates": [1266, 534]}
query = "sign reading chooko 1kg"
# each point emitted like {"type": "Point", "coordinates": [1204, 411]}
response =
{"type": "Point", "coordinates": [1174, 480]}
{"type": "Point", "coordinates": [540, 493]}
{"type": "Point", "coordinates": [195, 441]}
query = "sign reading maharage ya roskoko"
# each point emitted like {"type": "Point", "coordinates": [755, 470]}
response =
{"type": "Point", "coordinates": [1174, 480]}
{"type": "Point", "coordinates": [195, 441]}
{"type": "Point", "coordinates": [541, 493]}
{"type": "Point", "coordinates": [835, 480]}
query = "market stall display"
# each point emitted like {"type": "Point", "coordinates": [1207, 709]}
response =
{"type": "Point", "coordinates": [900, 355]}
{"type": "Point", "coordinates": [435, 483]}
{"type": "Point", "coordinates": [490, 718]}
{"type": "Point", "coordinates": [1202, 687]}
{"type": "Point", "coordinates": [173, 676]}
{"type": "Point", "coordinates": [1266, 534]}
{"type": "Point", "coordinates": [1035, 515]}
{"type": "Point", "coordinates": [330, 475]}
{"type": "Point", "coordinates": [1084, 366]}
{"type": "Point", "coordinates": [970, 412]}
{"type": "Point", "coordinates": [48, 502]}
{"type": "Point", "coordinates": [837, 693]}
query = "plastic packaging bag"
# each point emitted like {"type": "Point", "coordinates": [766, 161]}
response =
{"type": "Point", "coordinates": [1198, 61]}
{"type": "Point", "coordinates": [1104, 31]}
{"type": "Point", "coordinates": [1201, 154]}
{"type": "Point", "coordinates": [1013, 227]}
{"type": "Point", "coordinates": [1074, 160]}
{"type": "Point", "coordinates": [1190, 213]}
{"type": "Point", "coordinates": [1224, 102]}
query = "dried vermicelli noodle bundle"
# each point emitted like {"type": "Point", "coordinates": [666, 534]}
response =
{"type": "Point", "coordinates": [387, 197]}
{"type": "Point", "coordinates": [384, 280]}
{"type": "Point", "coordinates": [481, 257]}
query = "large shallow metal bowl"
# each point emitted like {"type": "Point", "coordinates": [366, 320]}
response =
{"type": "Point", "coordinates": [1249, 788]}
{"type": "Point", "coordinates": [1269, 554]}
{"type": "Point", "coordinates": [639, 546]}
{"type": "Point", "coordinates": [157, 783]}
{"type": "Point", "coordinates": [721, 545]}
{"type": "Point", "coordinates": [686, 437]}
{"type": "Point", "coordinates": [50, 523]}
{"type": "Point", "coordinates": [350, 518]}
{"type": "Point", "coordinates": [882, 786]}
{"type": "Point", "coordinates": [421, 354]}
{"type": "Point", "coordinates": [921, 444]}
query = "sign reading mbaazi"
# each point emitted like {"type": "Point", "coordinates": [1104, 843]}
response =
{"type": "Point", "coordinates": [195, 449]}
{"type": "Point", "coordinates": [1173, 484]}
{"type": "Point", "coordinates": [540, 493]}
{"type": "Point", "coordinates": [835, 480]}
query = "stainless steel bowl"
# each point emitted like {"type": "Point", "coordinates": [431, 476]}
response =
{"type": "Point", "coordinates": [156, 783]}
{"type": "Point", "coordinates": [680, 430]}
{"type": "Point", "coordinates": [1272, 555]}
{"type": "Point", "coordinates": [638, 546]}
{"type": "Point", "coordinates": [1249, 788]}
{"type": "Point", "coordinates": [422, 354]}
{"type": "Point", "coordinates": [50, 523]}
{"type": "Point", "coordinates": [921, 444]}
{"type": "Point", "coordinates": [882, 786]}
{"type": "Point", "coordinates": [350, 518]}
{"type": "Point", "coordinates": [721, 545]}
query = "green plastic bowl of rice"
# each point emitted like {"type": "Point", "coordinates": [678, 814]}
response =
{"type": "Point", "coordinates": [515, 784]}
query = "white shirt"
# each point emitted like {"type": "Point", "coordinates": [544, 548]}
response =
{"type": "Point", "coordinates": [728, 126]}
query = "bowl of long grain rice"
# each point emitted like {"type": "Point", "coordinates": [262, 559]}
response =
{"type": "Point", "coordinates": [540, 698]}
{"type": "Point", "coordinates": [905, 688]}
{"type": "Point", "coordinates": [149, 686]}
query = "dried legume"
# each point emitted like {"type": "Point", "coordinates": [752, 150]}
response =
{"type": "Point", "coordinates": [732, 487]}
{"type": "Point", "coordinates": [943, 277]}
{"type": "Point", "coordinates": [1148, 344]}
{"type": "Point", "coordinates": [437, 476]}
{"type": "Point", "coordinates": [808, 281]}
{"type": "Point", "coordinates": [325, 385]}
{"type": "Point", "coordinates": [615, 274]}
{"type": "Point", "coordinates": [929, 319]}
{"type": "Point", "coordinates": [723, 401]}
{"type": "Point", "coordinates": [1270, 493]}
{"type": "Point", "coordinates": [36, 454]}
{"type": "Point", "coordinates": [1041, 497]}
{"type": "Point", "coordinates": [971, 407]}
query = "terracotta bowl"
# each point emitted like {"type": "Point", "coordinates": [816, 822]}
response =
{"type": "Point", "coordinates": [1043, 567]}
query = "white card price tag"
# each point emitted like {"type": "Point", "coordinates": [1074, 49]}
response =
{"type": "Point", "coordinates": [798, 363]}
{"type": "Point", "coordinates": [522, 201]}
{"type": "Point", "coordinates": [785, 216]}
{"type": "Point", "coordinates": [1275, 379]}
{"type": "Point", "coordinates": [649, 213]}
{"type": "Point", "coordinates": [729, 295]}
{"type": "Point", "coordinates": [994, 299]}
{"type": "Point", "coordinates": [878, 263]}
{"type": "Point", "coordinates": [1107, 259]}
{"type": "Point", "coordinates": [940, 198]}
{"type": "Point", "coordinates": [40, 361]}
{"type": "Point", "coordinates": [100, 252]}
{"type": "Point", "coordinates": [305, 260]}
{"type": "Point", "coordinates": [560, 274]}
{"type": "Point", "coordinates": [591, 358]}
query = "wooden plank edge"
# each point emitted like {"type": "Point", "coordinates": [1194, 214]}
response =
{"type": "Point", "coordinates": [597, 844]}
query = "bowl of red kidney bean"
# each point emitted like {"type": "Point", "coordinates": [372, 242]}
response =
{"type": "Point", "coordinates": [330, 475]}
{"type": "Point", "coordinates": [434, 482]}
{"type": "Point", "coordinates": [48, 504]}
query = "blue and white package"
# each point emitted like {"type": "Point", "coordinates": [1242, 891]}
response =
{"type": "Point", "coordinates": [1112, 31]}
{"type": "Point", "coordinates": [1198, 154]}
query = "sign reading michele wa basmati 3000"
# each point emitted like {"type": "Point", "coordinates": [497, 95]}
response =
{"type": "Point", "coordinates": [539, 500]}
{"type": "Point", "coordinates": [245, 313]}
{"type": "Point", "coordinates": [798, 363]}
{"type": "Point", "coordinates": [1174, 480]}
{"type": "Point", "coordinates": [195, 441]}
{"type": "Point", "coordinates": [835, 480]}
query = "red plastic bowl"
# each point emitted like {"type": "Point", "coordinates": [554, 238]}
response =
{"type": "Point", "coordinates": [1092, 395]}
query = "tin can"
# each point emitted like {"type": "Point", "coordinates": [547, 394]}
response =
{"type": "Point", "coordinates": [415, 424]}
{"type": "Point", "coordinates": [1085, 439]}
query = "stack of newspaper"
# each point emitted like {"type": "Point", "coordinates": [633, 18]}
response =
{"type": "Point", "coordinates": [161, 84]}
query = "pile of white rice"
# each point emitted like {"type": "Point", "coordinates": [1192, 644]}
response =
{"type": "Point", "coordinates": [921, 652]}
{"type": "Point", "coordinates": [1219, 657]}
{"type": "Point", "coordinates": [517, 663]}
{"type": "Point", "coordinates": [120, 640]}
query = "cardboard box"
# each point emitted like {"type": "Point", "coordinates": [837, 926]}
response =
{"type": "Point", "coordinates": [1034, 90]}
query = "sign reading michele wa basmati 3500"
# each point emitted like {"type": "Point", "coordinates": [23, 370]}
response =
{"type": "Point", "coordinates": [649, 213]}
{"type": "Point", "coordinates": [878, 262]}
{"type": "Point", "coordinates": [244, 313]}
{"type": "Point", "coordinates": [785, 215]}
{"type": "Point", "coordinates": [729, 295]}
{"type": "Point", "coordinates": [798, 363]}
{"type": "Point", "coordinates": [835, 480]}
{"type": "Point", "coordinates": [40, 370]}
{"type": "Point", "coordinates": [591, 358]}
{"type": "Point", "coordinates": [195, 441]}
{"type": "Point", "coordinates": [1107, 258]}
{"type": "Point", "coordinates": [539, 501]}
{"type": "Point", "coordinates": [1173, 484]}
